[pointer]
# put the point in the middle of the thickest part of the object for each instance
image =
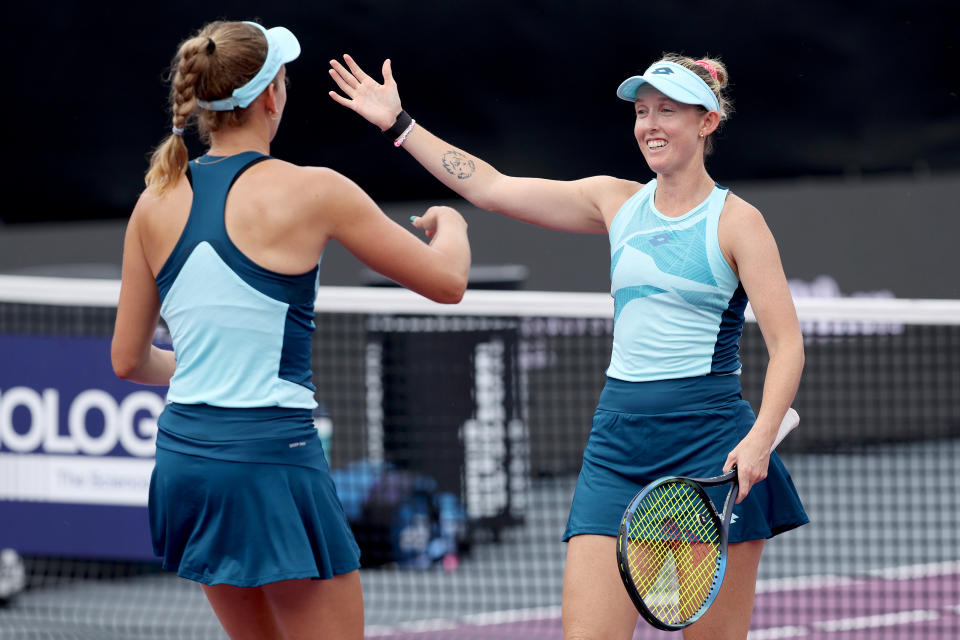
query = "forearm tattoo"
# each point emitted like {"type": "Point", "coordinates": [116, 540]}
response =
{"type": "Point", "coordinates": [458, 164]}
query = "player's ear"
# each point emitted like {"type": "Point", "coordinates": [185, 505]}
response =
{"type": "Point", "coordinates": [270, 101]}
{"type": "Point", "coordinates": [709, 123]}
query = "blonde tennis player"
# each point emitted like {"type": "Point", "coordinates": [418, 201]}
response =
{"type": "Point", "coordinates": [685, 255]}
{"type": "Point", "coordinates": [225, 248]}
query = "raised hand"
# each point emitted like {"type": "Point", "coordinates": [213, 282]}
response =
{"type": "Point", "coordinates": [378, 103]}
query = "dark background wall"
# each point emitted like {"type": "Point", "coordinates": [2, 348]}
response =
{"type": "Point", "coordinates": [847, 131]}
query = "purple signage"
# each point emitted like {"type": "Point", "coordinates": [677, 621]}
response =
{"type": "Point", "coordinates": [76, 450]}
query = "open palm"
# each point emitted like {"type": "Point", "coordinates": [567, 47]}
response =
{"type": "Point", "coordinates": [378, 103]}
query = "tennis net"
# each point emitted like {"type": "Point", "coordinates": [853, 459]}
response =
{"type": "Point", "coordinates": [455, 435]}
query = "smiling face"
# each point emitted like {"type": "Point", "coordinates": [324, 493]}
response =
{"type": "Point", "coordinates": [668, 131]}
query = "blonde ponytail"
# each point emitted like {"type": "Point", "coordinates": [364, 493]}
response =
{"type": "Point", "coordinates": [208, 66]}
{"type": "Point", "coordinates": [169, 160]}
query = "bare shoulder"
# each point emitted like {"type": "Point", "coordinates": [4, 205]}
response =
{"type": "Point", "coordinates": [744, 235]}
{"type": "Point", "coordinates": [287, 173]}
{"type": "Point", "coordinates": [149, 203]}
{"type": "Point", "coordinates": [741, 219]}
{"type": "Point", "coordinates": [158, 219]}
{"type": "Point", "coordinates": [319, 195]}
{"type": "Point", "coordinates": [609, 188]}
{"type": "Point", "coordinates": [156, 207]}
{"type": "Point", "coordinates": [609, 193]}
{"type": "Point", "coordinates": [292, 192]}
{"type": "Point", "coordinates": [307, 181]}
{"type": "Point", "coordinates": [738, 211]}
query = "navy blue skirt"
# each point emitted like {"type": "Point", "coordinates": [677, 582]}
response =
{"type": "Point", "coordinates": [643, 431]}
{"type": "Point", "coordinates": [234, 509]}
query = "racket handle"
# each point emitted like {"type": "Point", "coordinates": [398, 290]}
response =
{"type": "Point", "coordinates": [790, 422]}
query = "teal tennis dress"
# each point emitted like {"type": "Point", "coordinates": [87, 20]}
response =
{"type": "Point", "coordinates": [672, 403]}
{"type": "Point", "coordinates": [241, 492]}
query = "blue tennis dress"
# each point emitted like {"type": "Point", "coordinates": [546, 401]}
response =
{"type": "Point", "coordinates": [672, 403]}
{"type": "Point", "coordinates": [241, 492]}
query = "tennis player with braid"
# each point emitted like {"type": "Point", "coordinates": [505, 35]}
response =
{"type": "Point", "coordinates": [226, 249]}
{"type": "Point", "coordinates": [685, 256]}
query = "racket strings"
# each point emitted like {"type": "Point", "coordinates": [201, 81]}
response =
{"type": "Point", "coordinates": [673, 551]}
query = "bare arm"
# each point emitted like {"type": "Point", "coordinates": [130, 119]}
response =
{"type": "Point", "coordinates": [577, 205]}
{"type": "Point", "coordinates": [751, 245]}
{"type": "Point", "coordinates": [138, 310]}
{"type": "Point", "coordinates": [438, 270]}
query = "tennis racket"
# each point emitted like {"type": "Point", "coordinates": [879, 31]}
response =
{"type": "Point", "coordinates": [672, 544]}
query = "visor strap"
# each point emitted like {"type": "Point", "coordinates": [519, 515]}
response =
{"type": "Point", "coordinates": [230, 102]}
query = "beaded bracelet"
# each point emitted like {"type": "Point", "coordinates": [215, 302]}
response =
{"type": "Point", "coordinates": [403, 136]}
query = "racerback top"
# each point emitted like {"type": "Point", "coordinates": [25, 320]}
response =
{"type": "Point", "coordinates": [678, 306]}
{"type": "Point", "coordinates": [241, 333]}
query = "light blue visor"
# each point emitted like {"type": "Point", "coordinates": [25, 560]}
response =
{"type": "Point", "coordinates": [674, 81]}
{"type": "Point", "coordinates": [282, 47]}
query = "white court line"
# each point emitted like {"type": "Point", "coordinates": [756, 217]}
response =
{"type": "Point", "coordinates": [773, 585]}
{"type": "Point", "coordinates": [778, 633]}
{"type": "Point", "coordinates": [763, 586]}
{"type": "Point", "coordinates": [437, 624]}
{"type": "Point", "coordinates": [930, 570]}
{"type": "Point", "coordinates": [516, 615]}
{"type": "Point", "coordinates": [879, 620]}
{"type": "Point", "coordinates": [478, 619]}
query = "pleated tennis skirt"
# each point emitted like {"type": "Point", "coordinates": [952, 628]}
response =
{"type": "Point", "coordinates": [643, 431]}
{"type": "Point", "coordinates": [247, 511]}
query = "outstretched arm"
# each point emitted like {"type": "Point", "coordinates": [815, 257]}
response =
{"type": "Point", "coordinates": [576, 205]}
{"type": "Point", "coordinates": [343, 211]}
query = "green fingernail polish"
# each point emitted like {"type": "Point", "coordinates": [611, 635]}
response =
{"type": "Point", "coordinates": [412, 218]}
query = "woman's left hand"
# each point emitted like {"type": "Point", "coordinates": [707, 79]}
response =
{"type": "Point", "coordinates": [752, 459]}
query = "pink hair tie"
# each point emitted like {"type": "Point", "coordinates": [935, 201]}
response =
{"type": "Point", "coordinates": [709, 67]}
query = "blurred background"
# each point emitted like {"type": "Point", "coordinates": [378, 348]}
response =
{"type": "Point", "coordinates": [455, 434]}
{"type": "Point", "coordinates": [846, 132]}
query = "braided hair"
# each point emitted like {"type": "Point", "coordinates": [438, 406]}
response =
{"type": "Point", "coordinates": [207, 66]}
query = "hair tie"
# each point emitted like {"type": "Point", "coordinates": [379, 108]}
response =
{"type": "Point", "coordinates": [211, 45]}
{"type": "Point", "coordinates": [709, 67]}
{"type": "Point", "coordinates": [177, 131]}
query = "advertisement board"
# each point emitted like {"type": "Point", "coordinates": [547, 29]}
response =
{"type": "Point", "coordinates": [76, 450]}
